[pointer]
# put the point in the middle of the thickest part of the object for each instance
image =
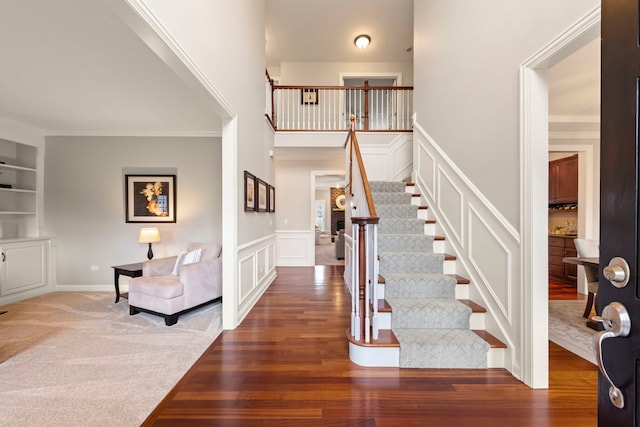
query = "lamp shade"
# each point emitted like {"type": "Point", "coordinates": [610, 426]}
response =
{"type": "Point", "coordinates": [149, 235]}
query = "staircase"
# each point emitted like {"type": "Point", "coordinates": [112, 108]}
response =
{"type": "Point", "coordinates": [425, 319]}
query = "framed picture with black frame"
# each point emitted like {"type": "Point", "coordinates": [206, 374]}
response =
{"type": "Point", "coordinates": [150, 198]}
{"type": "Point", "coordinates": [272, 198]}
{"type": "Point", "coordinates": [262, 195]}
{"type": "Point", "coordinates": [309, 96]}
{"type": "Point", "coordinates": [249, 192]}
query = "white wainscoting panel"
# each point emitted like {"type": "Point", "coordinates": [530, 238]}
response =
{"type": "Point", "coordinates": [487, 247]}
{"type": "Point", "coordinates": [426, 170]}
{"type": "Point", "coordinates": [256, 271]}
{"type": "Point", "coordinates": [247, 276]}
{"type": "Point", "coordinates": [493, 262]}
{"type": "Point", "coordinates": [450, 202]}
{"type": "Point", "coordinates": [295, 248]}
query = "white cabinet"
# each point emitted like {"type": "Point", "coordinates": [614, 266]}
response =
{"type": "Point", "coordinates": [18, 190]}
{"type": "Point", "coordinates": [23, 266]}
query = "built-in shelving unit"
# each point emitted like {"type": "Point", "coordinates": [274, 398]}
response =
{"type": "Point", "coordinates": [18, 189]}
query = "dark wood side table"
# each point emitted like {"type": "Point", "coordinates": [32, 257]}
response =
{"type": "Point", "coordinates": [130, 270]}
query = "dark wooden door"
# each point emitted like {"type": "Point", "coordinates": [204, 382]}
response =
{"type": "Point", "coordinates": [619, 202]}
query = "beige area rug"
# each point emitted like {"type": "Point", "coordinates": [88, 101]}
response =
{"type": "Point", "coordinates": [568, 329]}
{"type": "Point", "coordinates": [326, 255]}
{"type": "Point", "coordinates": [78, 359]}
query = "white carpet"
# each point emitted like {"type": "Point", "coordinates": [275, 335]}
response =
{"type": "Point", "coordinates": [78, 359]}
{"type": "Point", "coordinates": [568, 329]}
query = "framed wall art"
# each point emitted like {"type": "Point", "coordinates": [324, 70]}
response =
{"type": "Point", "coordinates": [309, 96]}
{"type": "Point", "coordinates": [272, 198]}
{"type": "Point", "coordinates": [150, 198]}
{"type": "Point", "coordinates": [249, 192]}
{"type": "Point", "coordinates": [262, 195]}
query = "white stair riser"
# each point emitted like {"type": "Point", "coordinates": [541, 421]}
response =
{"type": "Point", "coordinates": [476, 321]}
{"type": "Point", "coordinates": [374, 356]}
{"type": "Point", "coordinates": [496, 357]}
{"type": "Point", "coordinates": [430, 229]}
{"type": "Point", "coordinates": [449, 267]}
{"type": "Point", "coordinates": [409, 189]}
{"type": "Point", "coordinates": [462, 291]}
{"type": "Point", "coordinates": [423, 213]}
{"type": "Point", "coordinates": [439, 247]}
{"type": "Point", "coordinates": [389, 357]}
{"type": "Point", "coordinates": [415, 201]}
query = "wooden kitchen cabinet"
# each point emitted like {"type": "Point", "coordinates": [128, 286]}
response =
{"type": "Point", "coordinates": [563, 180]}
{"type": "Point", "coordinates": [560, 247]}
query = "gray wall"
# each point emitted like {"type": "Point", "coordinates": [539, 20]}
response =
{"type": "Point", "coordinates": [467, 57]}
{"type": "Point", "coordinates": [84, 200]}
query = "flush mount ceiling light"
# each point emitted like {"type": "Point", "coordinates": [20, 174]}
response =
{"type": "Point", "coordinates": [362, 41]}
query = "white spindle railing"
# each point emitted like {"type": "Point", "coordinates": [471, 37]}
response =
{"type": "Point", "coordinates": [329, 108]}
{"type": "Point", "coordinates": [364, 252]}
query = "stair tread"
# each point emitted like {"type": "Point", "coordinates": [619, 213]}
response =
{"type": "Point", "coordinates": [475, 308]}
{"type": "Point", "coordinates": [384, 307]}
{"type": "Point", "coordinates": [460, 280]}
{"type": "Point", "coordinates": [386, 338]}
{"type": "Point", "coordinates": [493, 341]}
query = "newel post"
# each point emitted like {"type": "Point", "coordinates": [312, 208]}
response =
{"type": "Point", "coordinates": [361, 263]}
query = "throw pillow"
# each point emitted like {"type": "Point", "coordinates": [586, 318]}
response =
{"type": "Point", "coordinates": [176, 267]}
{"type": "Point", "coordinates": [186, 258]}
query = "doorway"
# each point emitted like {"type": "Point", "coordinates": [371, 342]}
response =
{"type": "Point", "coordinates": [534, 157]}
{"type": "Point", "coordinates": [326, 187]}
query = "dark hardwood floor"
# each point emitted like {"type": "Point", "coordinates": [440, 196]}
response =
{"type": "Point", "coordinates": [560, 290]}
{"type": "Point", "coordinates": [287, 364]}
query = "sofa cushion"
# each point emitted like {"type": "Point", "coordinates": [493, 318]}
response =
{"type": "Point", "coordinates": [209, 250]}
{"type": "Point", "coordinates": [168, 286]}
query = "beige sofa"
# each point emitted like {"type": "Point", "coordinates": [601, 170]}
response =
{"type": "Point", "coordinates": [165, 291]}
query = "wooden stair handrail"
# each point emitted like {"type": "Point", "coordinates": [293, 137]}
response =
{"type": "Point", "coordinates": [363, 172]}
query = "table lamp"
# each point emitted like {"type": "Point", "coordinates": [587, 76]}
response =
{"type": "Point", "coordinates": [149, 235]}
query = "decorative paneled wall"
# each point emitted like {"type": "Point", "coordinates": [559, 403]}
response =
{"type": "Point", "coordinates": [486, 245]}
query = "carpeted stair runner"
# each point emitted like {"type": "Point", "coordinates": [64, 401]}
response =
{"type": "Point", "coordinates": [430, 324]}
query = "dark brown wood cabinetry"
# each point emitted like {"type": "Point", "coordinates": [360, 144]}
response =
{"type": "Point", "coordinates": [560, 247]}
{"type": "Point", "coordinates": [563, 180]}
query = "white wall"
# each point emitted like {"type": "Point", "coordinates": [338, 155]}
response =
{"type": "Point", "coordinates": [84, 199]}
{"type": "Point", "coordinates": [226, 42]}
{"type": "Point", "coordinates": [466, 58]}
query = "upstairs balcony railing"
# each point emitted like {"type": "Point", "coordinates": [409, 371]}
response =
{"type": "Point", "coordinates": [329, 108]}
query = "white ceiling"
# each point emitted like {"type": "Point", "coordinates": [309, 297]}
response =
{"type": "Point", "coordinates": [318, 31]}
{"type": "Point", "coordinates": [73, 67]}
